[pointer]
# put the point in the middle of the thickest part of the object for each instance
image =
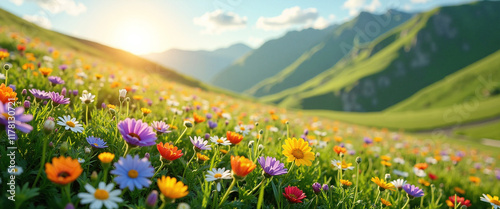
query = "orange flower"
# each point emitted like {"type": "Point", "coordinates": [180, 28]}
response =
{"type": "Point", "coordinates": [63, 170]}
{"type": "Point", "coordinates": [202, 157]}
{"type": "Point", "coordinates": [234, 138]}
{"type": "Point", "coordinates": [45, 71]}
{"type": "Point", "coordinates": [339, 149]}
{"type": "Point", "coordinates": [377, 139]}
{"type": "Point", "coordinates": [459, 190]}
{"type": "Point", "coordinates": [337, 138]}
{"type": "Point", "coordinates": [115, 84]}
{"type": "Point", "coordinates": [474, 179]}
{"type": "Point", "coordinates": [198, 118]}
{"type": "Point", "coordinates": [421, 166]}
{"type": "Point", "coordinates": [385, 158]}
{"type": "Point", "coordinates": [7, 94]}
{"type": "Point", "coordinates": [168, 151]}
{"type": "Point", "coordinates": [424, 182]}
{"type": "Point", "coordinates": [241, 166]}
{"type": "Point", "coordinates": [386, 164]}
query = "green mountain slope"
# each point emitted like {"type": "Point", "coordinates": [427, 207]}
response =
{"type": "Point", "coordinates": [478, 81]}
{"type": "Point", "coordinates": [90, 48]}
{"type": "Point", "coordinates": [268, 60]}
{"type": "Point", "coordinates": [396, 65]}
{"type": "Point", "coordinates": [362, 29]}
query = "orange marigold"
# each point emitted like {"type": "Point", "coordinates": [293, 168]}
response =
{"type": "Point", "coordinates": [63, 170]}
{"type": "Point", "coordinates": [241, 166]}
{"type": "Point", "coordinates": [7, 94]}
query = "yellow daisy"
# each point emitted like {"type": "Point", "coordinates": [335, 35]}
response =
{"type": "Point", "coordinates": [383, 185]}
{"type": "Point", "coordinates": [299, 151]}
{"type": "Point", "coordinates": [172, 188]}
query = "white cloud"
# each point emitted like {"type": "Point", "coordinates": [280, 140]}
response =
{"type": "Point", "coordinates": [419, 1]}
{"type": "Point", "coordinates": [219, 21]}
{"type": "Point", "coordinates": [353, 6]}
{"type": "Point", "coordinates": [287, 18]}
{"type": "Point", "coordinates": [17, 2]}
{"type": "Point", "coordinates": [255, 42]}
{"type": "Point", "coordinates": [373, 6]}
{"type": "Point", "coordinates": [56, 6]}
{"type": "Point", "coordinates": [321, 22]}
{"type": "Point", "coordinates": [40, 20]}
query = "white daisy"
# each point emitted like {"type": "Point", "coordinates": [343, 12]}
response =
{"type": "Point", "coordinates": [398, 183]}
{"type": "Point", "coordinates": [273, 129]}
{"type": "Point", "coordinates": [101, 196]}
{"type": "Point", "coordinates": [222, 140]}
{"type": "Point", "coordinates": [243, 129]}
{"type": "Point", "coordinates": [2, 76]}
{"type": "Point", "coordinates": [70, 123]}
{"type": "Point", "coordinates": [87, 98]}
{"type": "Point", "coordinates": [16, 171]}
{"type": "Point", "coordinates": [342, 165]}
{"type": "Point", "coordinates": [218, 174]}
{"type": "Point", "coordinates": [492, 200]}
{"type": "Point", "coordinates": [81, 160]}
{"type": "Point", "coordinates": [226, 116]}
{"type": "Point", "coordinates": [399, 160]}
{"type": "Point", "coordinates": [419, 172]}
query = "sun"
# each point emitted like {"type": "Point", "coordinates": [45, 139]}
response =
{"type": "Point", "coordinates": [136, 37]}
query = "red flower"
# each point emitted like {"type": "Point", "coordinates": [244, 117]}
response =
{"type": "Point", "coordinates": [432, 176]}
{"type": "Point", "coordinates": [294, 194]}
{"type": "Point", "coordinates": [168, 151]}
{"type": "Point", "coordinates": [460, 200]}
{"type": "Point", "coordinates": [234, 138]}
{"type": "Point", "coordinates": [21, 48]}
{"type": "Point", "coordinates": [339, 150]}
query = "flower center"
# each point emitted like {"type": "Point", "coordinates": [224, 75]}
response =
{"type": "Point", "coordinates": [6, 115]}
{"type": "Point", "coordinates": [63, 174]}
{"type": "Point", "coordinates": [297, 153]}
{"type": "Point", "coordinates": [292, 196]}
{"type": "Point", "coordinates": [217, 175]}
{"type": "Point", "coordinates": [133, 174]}
{"type": "Point", "coordinates": [495, 201]}
{"type": "Point", "coordinates": [242, 128]}
{"type": "Point", "coordinates": [101, 194]}
{"type": "Point", "coordinates": [95, 144]}
{"type": "Point", "coordinates": [70, 124]}
{"type": "Point", "coordinates": [134, 135]}
{"type": "Point", "coordinates": [220, 141]}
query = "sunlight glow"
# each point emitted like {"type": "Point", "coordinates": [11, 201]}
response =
{"type": "Point", "coordinates": [135, 36]}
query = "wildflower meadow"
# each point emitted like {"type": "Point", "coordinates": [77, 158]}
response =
{"type": "Point", "coordinates": [82, 132]}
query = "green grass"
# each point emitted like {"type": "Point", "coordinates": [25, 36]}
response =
{"type": "Point", "coordinates": [489, 131]}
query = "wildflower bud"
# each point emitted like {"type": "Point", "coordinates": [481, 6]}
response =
{"type": "Point", "coordinates": [75, 92]}
{"type": "Point", "coordinates": [64, 148]}
{"type": "Point", "coordinates": [261, 132]}
{"type": "Point", "coordinates": [279, 139]}
{"type": "Point", "coordinates": [227, 122]}
{"type": "Point", "coordinates": [28, 98]}
{"type": "Point", "coordinates": [387, 177]}
{"type": "Point", "coordinates": [48, 126]}
{"type": "Point", "coordinates": [341, 155]}
{"type": "Point", "coordinates": [103, 105]}
{"type": "Point", "coordinates": [261, 147]}
{"type": "Point", "coordinates": [152, 199]}
{"type": "Point", "coordinates": [123, 93]}
{"type": "Point", "coordinates": [316, 188]}
{"type": "Point", "coordinates": [250, 144]}
{"type": "Point", "coordinates": [87, 150]}
{"type": "Point", "coordinates": [26, 104]}
{"type": "Point", "coordinates": [463, 207]}
{"type": "Point", "coordinates": [358, 160]}
{"type": "Point", "coordinates": [51, 144]}
{"type": "Point", "coordinates": [317, 154]}
{"type": "Point", "coordinates": [183, 205]}
{"type": "Point", "coordinates": [433, 186]}
{"type": "Point", "coordinates": [69, 206]}
{"type": "Point", "coordinates": [326, 187]}
{"type": "Point", "coordinates": [188, 124]}
{"type": "Point", "coordinates": [24, 92]}
{"type": "Point", "coordinates": [112, 111]}
{"type": "Point", "coordinates": [85, 92]}
{"type": "Point", "coordinates": [44, 102]}
{"type": "Point", "coordinates": [93, 176]}
{"type": "Point", "coordinates": [63, 91]}
{"type": "Point", "coordinates": [256, 124]}
{"type": "Point", "coordinates": [127, 99]}
{"type": "Point", "coordinates": [147, 155]}
{"type": "Point", "coordinates": [207, 136]}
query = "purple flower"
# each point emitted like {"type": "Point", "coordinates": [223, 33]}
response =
{"type": "Point", "coordinates": [24, 92]}
{"type": "Point", "coordinates": [152, 199]}
{"type": "Point", "coordinates": [413, 191]}
{"type": "Point", "coordinates": [207, 136]}
{"type": "Point", "coordinates": [63, 67]}
{"type": "Point", "coordinates": [75, 92]}
{"type": "Point", "coordinates": [27, 104]}
{"type": "Point", "coordinates": [57, 98]}
{"type": "Point", "coordinates": [137, 133]}
{"type": "Point", "coordinates": [96, 142]}
{"type": "Point", "coordinates": [200, 144]}
{"type": "Point", "coordinates": [147, 155]}
{"type": "Point", "coordinates": [160, 127]}
{"type": "Point", "coordinates": [325, 187]}
{"type": "Point", "coordinates": [39, 94]}
{"type": "Point", "coordinates": [133, 172]}
{"type": "Point", "coordinates": [368, 140]}
{"type": "Point", "coordinates": [497, 174]}
{"type": "Point", "coordinates": [55, 80]}
{"type": "Point", "coordinates": [208, 116]}
{"type": "Point", "coordinates": [272, 167]}
{"type": "Point", "coordinates": [306, 132]}
{"type": "Point", "coordinates": [212, 124]}
{"type": "Point", "coordinates": [12, 86]}
{"type": "Point", "coordinates": [18, 119]}
{"type": "Point", "coordinates": [103, 105]}
{"type": "Point", "coordinates": [63, 91]}
{"type": "Point", "coordinates": [316, 188]}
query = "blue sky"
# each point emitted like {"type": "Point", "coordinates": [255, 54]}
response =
{"type": "Point", "coordinates": [159, 25]}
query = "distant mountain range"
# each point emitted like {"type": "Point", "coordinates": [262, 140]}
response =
{"type": "Point", "coordinates": [202, 65]}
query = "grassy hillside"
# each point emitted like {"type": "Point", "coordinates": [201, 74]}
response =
{"type": "Point", "coordinates": [424, 50]}
{"type": "Point", "coordinates": [489, 131]}
{"type": "Point", "coordinates": [269, 59]}
{"type": "Point", "coordinates": [476, 82]}
{"type": "Point", "coordinates": [326, 54]}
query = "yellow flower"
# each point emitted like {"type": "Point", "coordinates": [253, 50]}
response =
{"type": "Point", "coordinates": [345, 183]}
{"type": "Point", "coordinates": [382, 185]}
{"type": "Point", "coordinates": [145, 111]}
{"type": "Point", "coordinates": [386, 164]}
{"type": "Point", "coordinates": [385, 158]}
{"type": "Point", "coordinates": [202, 157]}
{"type": "Point", "coordinates": [45, 71]}
{"type": "Point", "coordinates": [171, 188]}
{"type": "Point", "coordinates": [299, 151]}
{"type": "Point", "coordinates": [474, 179]}
{"type": "Point", "coordinates": [106, 157]}
{"type": "Point", "coordinates": [385, 202]}
{"type": "Point", "coordinates": [110, 106]}
{"type": "Point", "coordinates": [424, 182]}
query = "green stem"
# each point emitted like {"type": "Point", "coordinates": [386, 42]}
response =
{"type": "Point", "coordinates": [407, 201]}
{"type": "Point", "coordinates": [187, 165]}
{"type": "Point", "coordinates": [255, 188]}
{"type": "Point", "coordinates": [127, 107]}
{"type": "Point", "coordinates": [6, 77]}
{"type": "Point", "coordinates": [376, 199]}
{"type": "Point", "coordinates": [42, 161]}
{"type": "Point", "coordinates": [356, 189]}
{"type": "Point", "coordinates": [87, 114]}
{"type": "Point", "coordinates": [127, 150]}
{"type": "Point", "coordinates": [68, 194]}
{"type": "Point", "coordinates": [159, 168]}
{"type": "Point", "coordinates": [261, 194]}
{"type": "Point", "coordinates": [226, 195]}
{"type": "Point", "coordinates": [182, 134]}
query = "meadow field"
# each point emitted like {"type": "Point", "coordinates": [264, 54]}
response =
{"type": "Point", "coordinates": [82, 130]}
